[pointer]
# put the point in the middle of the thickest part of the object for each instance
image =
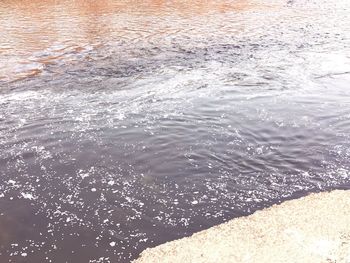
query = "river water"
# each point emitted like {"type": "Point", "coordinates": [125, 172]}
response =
{"type": "Point", "coordinates": [126, 124]}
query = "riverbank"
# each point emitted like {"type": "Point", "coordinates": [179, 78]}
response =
{"type": "Point", "coordinates": [315, 228]}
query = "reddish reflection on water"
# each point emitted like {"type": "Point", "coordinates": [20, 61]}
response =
{"type": "Point", "coordinates": [36, 33]}
{"type": "Point", "coordinates": [153, 120]}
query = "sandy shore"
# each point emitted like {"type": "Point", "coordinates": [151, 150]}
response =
{"type": "Point", "coordinates": [315, 228]}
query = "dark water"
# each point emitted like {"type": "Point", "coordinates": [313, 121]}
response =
{"type": "Point", "coordinates": [125, 124]}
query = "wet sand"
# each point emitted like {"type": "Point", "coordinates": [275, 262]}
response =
{"type": "Point", "coordinates": [315, 228]}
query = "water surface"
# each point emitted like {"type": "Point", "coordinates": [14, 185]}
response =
{"type": "Point", "coordinates": [125, 124]}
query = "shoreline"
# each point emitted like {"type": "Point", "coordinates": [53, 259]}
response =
{"type": "Point", "coordinates": [314, 228]}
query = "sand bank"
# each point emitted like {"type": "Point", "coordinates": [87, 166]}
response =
{"type": "Point", "coordinates": [315, 228]}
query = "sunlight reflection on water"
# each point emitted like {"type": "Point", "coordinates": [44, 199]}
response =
{"type": "Point", "coordinates": [125, 124]}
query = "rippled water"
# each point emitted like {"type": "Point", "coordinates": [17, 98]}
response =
{"type": "Point", "coordinates": [125, 124]}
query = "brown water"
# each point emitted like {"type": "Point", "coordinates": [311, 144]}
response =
{"type": "Point", "coordinates": [125, 124]}
{"type": "Point", "coordinates": [36, 34]}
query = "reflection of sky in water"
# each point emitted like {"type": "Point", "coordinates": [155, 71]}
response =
{"type": "Point", "coordinates": [150, 123]}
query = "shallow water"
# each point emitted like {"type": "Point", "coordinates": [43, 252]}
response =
{"type": "Point", "coordinates": [125, 124]}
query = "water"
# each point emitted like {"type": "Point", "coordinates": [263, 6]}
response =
{"type": "Point", "coordinates": [125, 124]}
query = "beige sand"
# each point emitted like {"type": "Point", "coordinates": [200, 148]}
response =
{"type": "Point", "coordinates": [313, 229]}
